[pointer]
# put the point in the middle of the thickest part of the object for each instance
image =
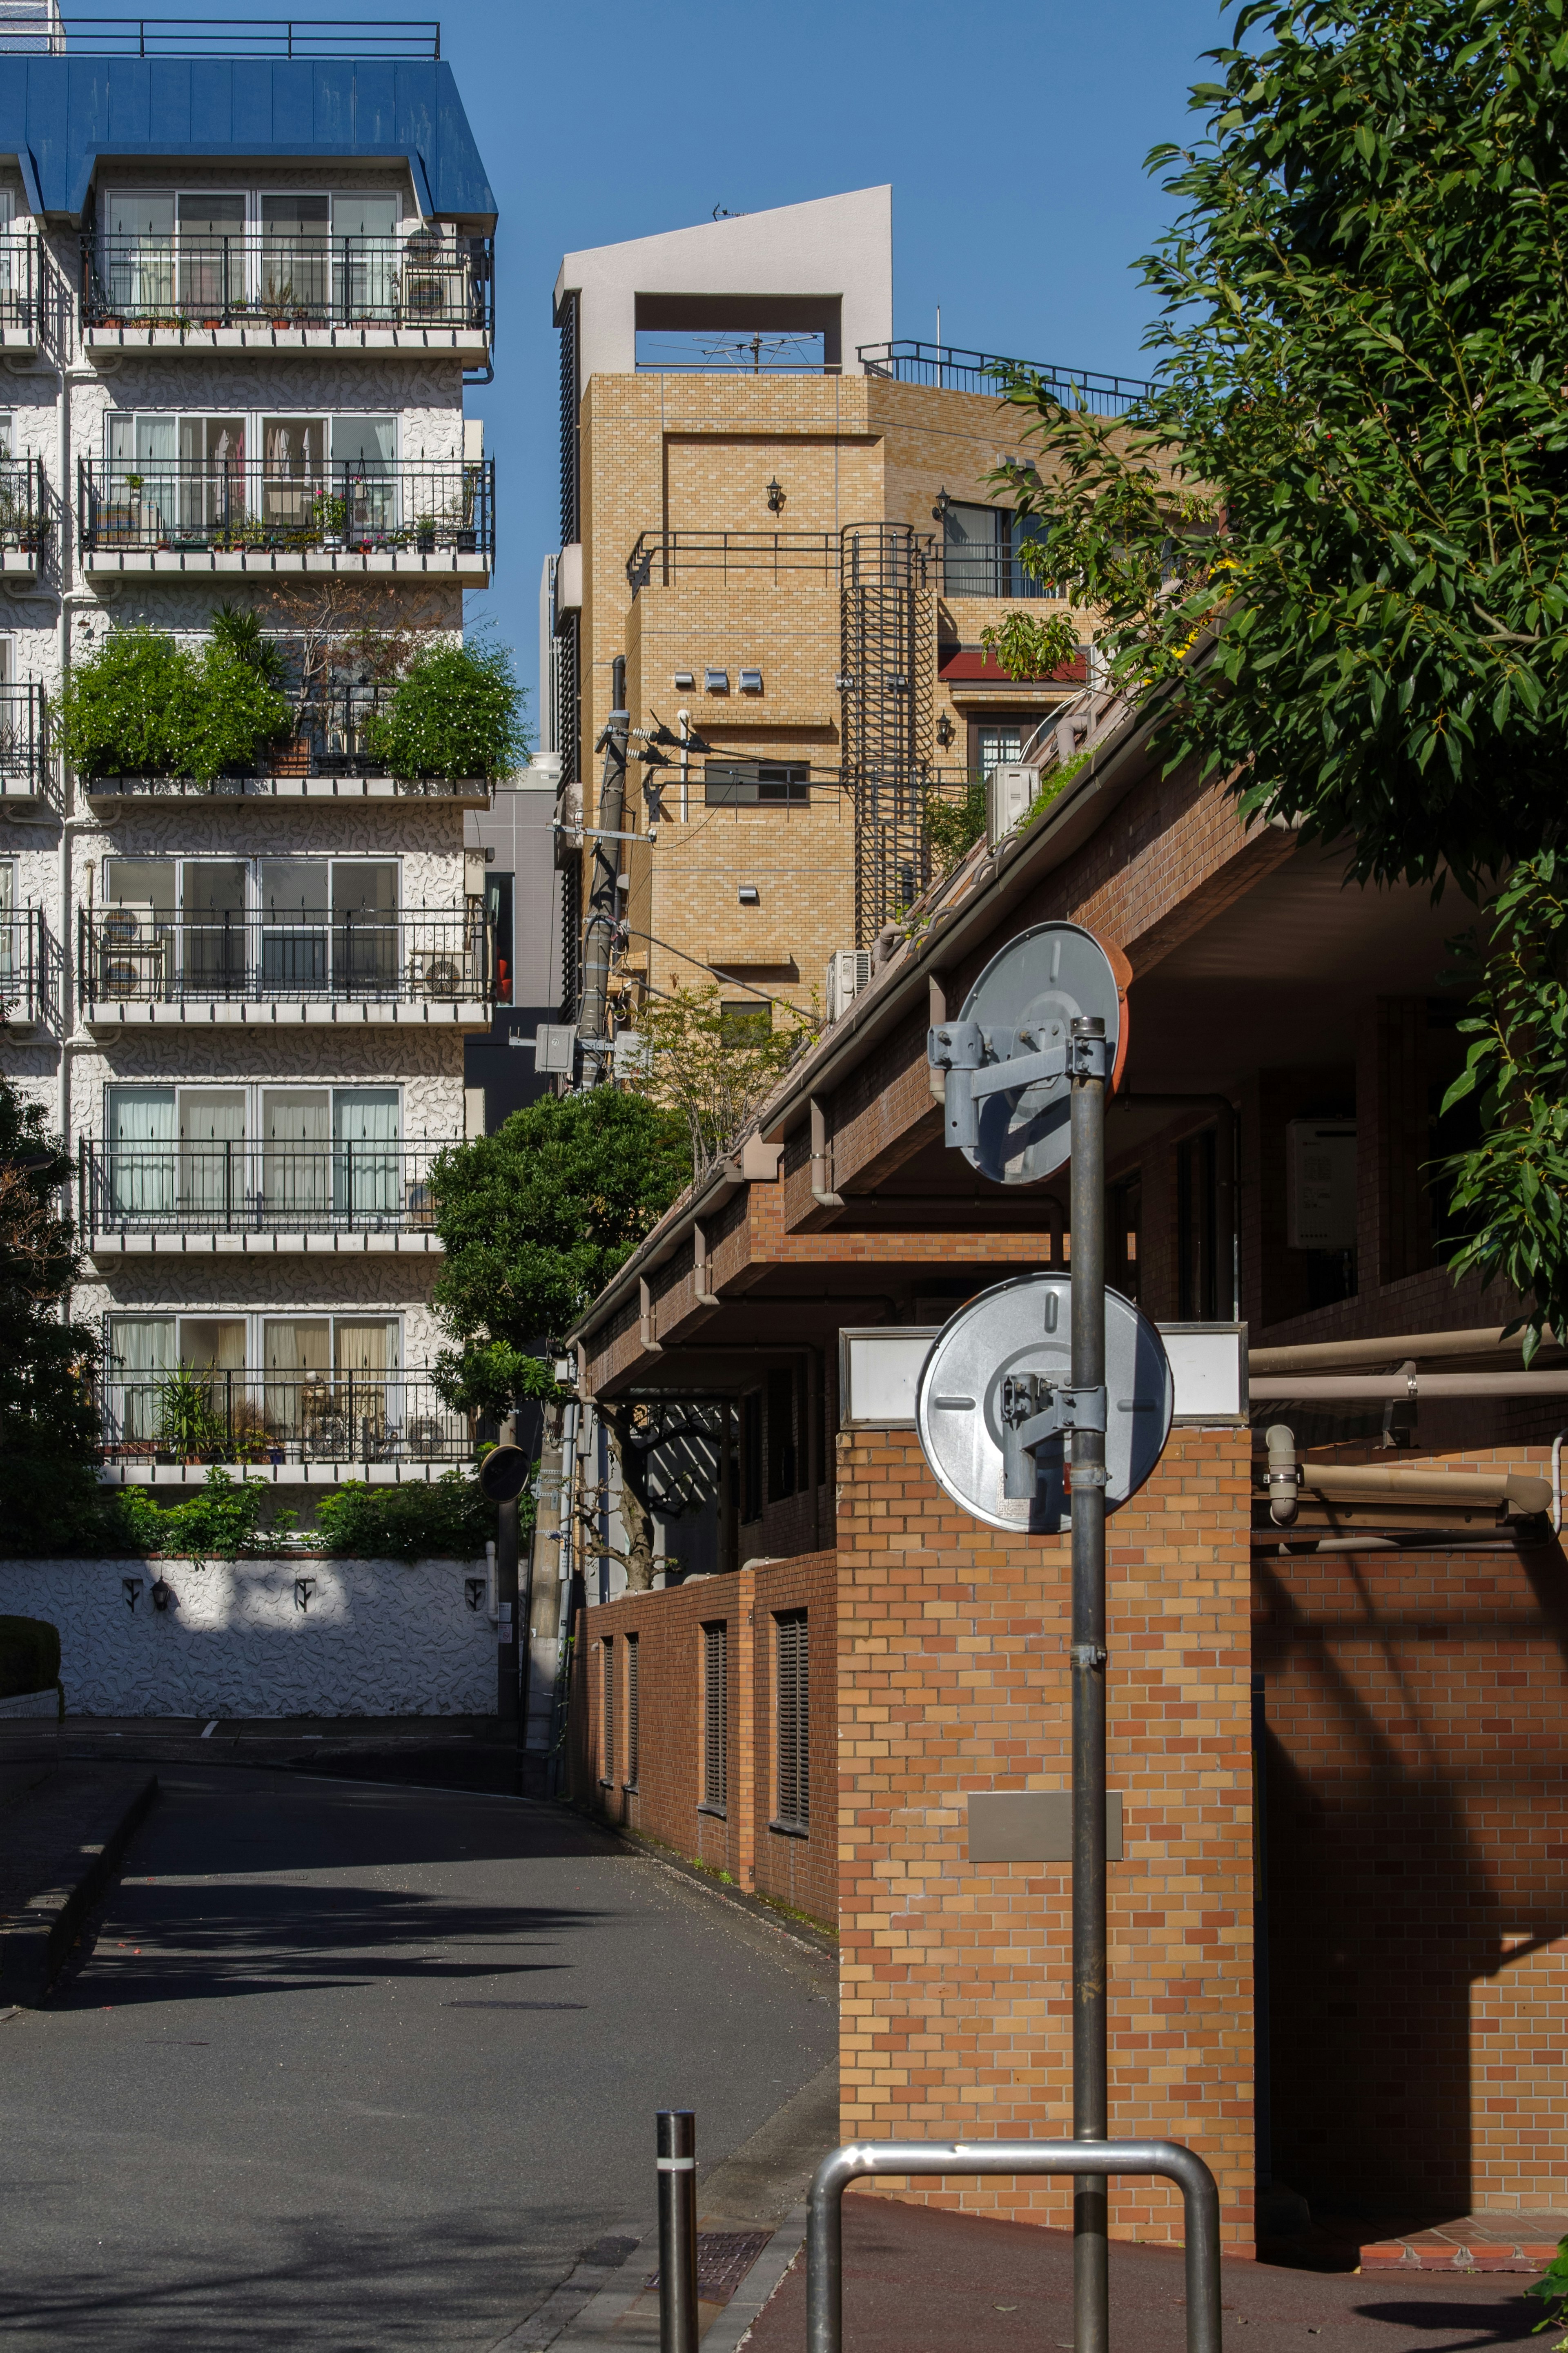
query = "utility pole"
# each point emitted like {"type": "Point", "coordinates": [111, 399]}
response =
{"type": "Point", "coordinates": [1091, 2088]}
{"type": "Point", "coordinates": [509, 1522]}
{"type": "Point", "coordinates": [603, 897]}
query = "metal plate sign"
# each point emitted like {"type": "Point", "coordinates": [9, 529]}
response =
{"type": "Point", "coordinates": [979, 1360]}
{"type": "Point", "coordinates": [1038, 983]}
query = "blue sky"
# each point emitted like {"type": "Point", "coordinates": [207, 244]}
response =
{"type": "Point", "coordinates": [1013, 137]}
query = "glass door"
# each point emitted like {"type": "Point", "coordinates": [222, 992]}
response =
{"type": "Point", "coordinates": [366, 1157]}
{"type": "Point", "coordinates": [365, 257]}
{"type": "Point", "coordinates": [211, 274]}
{"type": "Point", "coordinates": [212, 927]}
{"type": "Point", "coordinates": [364, 926]}
{"type": "Point", "coordinates": [293, 484]}
{"type": "Point", "coordinates": [296, 1184]}
{"type": "Point", "coordinates": [141, 1361]}
{"type": "Point", "coordinates": [140, 260]}
{"type": "Point", "coordinates": [365, 1363]}
{"type": "Point", "coordinates": [296, 272]}
{"type": "Point", "coordinates": [364, 477]}
{"type": "Point", "coordinates": [140, 1153]}
{"type": "Point", "coordinates": [294, 926]}
{"type": "Point", "coordinates": [213, 1173]}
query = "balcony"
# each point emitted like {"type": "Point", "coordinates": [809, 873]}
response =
{"type": "Point", "coordinates": [248, 1200]}
{"type": "Point", "coordinates": [20, 306]}
{"type": "Point", "coordinates": [138, 968]}
{"type": "Point", "coordinates": [32, 974]}
{"type": "Point", "coordinates": [24, 521]}
{"type": "Point", "coordinates": [422, 518]}
{"type": "Point", "coordinates": [327, 761]}
{"type": "Point", "coordinates": [860, 556]}
{"type": "Point", "coordinates": [27, 763]}
{"type": "Point", "coordinates": [313, 1428]}
{"type": "Point", "coordinates": [256, 292]}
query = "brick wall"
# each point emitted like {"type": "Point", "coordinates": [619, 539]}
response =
{"type": "Point", "coordinates": [1417, 1768]}
{"type": "Point", "coordinates": [953, 1678]}
{"type": "Point", "coordinates": [667, 1802]}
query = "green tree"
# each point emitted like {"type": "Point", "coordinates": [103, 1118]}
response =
{"type": "Point", "coordinates": [1333, 543]}
{"type": "Point", "coordinates": [49, 1496]}
{"type": "Point", "coordinates": [712, 1062]}
{"type": "Point", "coordinates": [142, 705]}
{"type": "Point", "coordinates": [457, 711]}
{"type": "Point", "coordinates": [534, 1220]}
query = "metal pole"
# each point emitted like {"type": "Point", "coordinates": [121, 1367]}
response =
{"type": "Point", "coordinates": [604, 908]}
{"type": "Point", "coordinates": [676, 2163]}
{"type": "Point", "coordinates": [1091, 2110]}
{"type": "Point", "coordinates": [508, 1527]}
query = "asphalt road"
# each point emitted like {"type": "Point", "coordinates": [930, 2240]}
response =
{"type": "Point", "coordinates": [359, 2068]}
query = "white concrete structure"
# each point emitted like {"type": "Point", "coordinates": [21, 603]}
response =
{"type": "Point", "coordinates": [824, 267]}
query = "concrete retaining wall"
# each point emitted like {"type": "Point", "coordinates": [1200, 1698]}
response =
{"type": "Point", "coordinates": [367, 1638]}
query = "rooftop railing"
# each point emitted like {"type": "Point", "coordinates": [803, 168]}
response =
{"type": "Point", "coordinates": [251, 1415]}
{"type": "Point", "coordinates": [952, 370]}
{"type": "Point", "coordinates": [361, 507]}
{"type": "Point", "coordinates": [138, 956]}
{"type": "Point", "coordinates": [261, 280]}
{"type": "Point", "coordinates": [245, 1187]}
{"type": "Point", "coordinates": [223, 36]}
{"type": "Point", "coordinates": [859, 555]}
{"type": "Point", "coordinates": [31, 971]}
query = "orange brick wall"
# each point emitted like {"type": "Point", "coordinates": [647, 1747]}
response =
{"type": "Point", "coordinates": [1417, 1857]}
{"type": "Point", "coordinates": [953, 1678]}
{"type": "Point", "coordinates": [666, 1805]}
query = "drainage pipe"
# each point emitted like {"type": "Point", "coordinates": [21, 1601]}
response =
{"type": "Point", "coordinates": [1557, 1481]}
{"type": "Point", "coordinates": [1351, 1482]}
{"type": "Point", "coordinates": [1308, 1389]}
{"type": "Point", "coordinates": [1329, 1356]}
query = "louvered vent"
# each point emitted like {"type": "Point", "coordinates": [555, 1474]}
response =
{"type": "Point", "coordinates": [715, 1718]}
{"type": "Point", "coordinates": [609, 1711]}
{"type": "Point", "coordinates": [632, 1735]}
{"type": "Point", "coordinates": [792, 1683]}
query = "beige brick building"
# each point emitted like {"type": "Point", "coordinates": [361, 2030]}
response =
{"type": "Point", "coordinates": [786, 524]}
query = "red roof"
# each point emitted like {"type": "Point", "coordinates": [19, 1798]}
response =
{"type": "Point", "coordinates": [972, 662]}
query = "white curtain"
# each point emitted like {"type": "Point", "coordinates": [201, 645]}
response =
{"type": "Point", "coordinates": [296, 1156]}
{"type": "Point", "coordinates": [142, 1350]}
{"type": "Point", "coordinates": [212, 1154]}
{"type": "Point", "coordinates": [366, 1170]}
{"type": "Point", "coordinates": [366, 1357]}
{"type": "Point", "coordinates": [142, 1153]}
{"type": "Point", "coordinates": [298, 1384]}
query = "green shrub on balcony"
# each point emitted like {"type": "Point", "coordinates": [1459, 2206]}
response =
{"type": "Point", "coordinates": [448, 1518]}
{"type": "Point", "coordinates": [144, 706]}
{"type": "Point", "coordinates": [457, 711]}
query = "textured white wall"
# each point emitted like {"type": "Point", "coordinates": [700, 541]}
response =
{"type": "Point", "coordinates": [377, 1638]}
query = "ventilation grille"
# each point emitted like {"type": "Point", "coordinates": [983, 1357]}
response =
{"type": "Point", "coordinates": [793, 1686]}
{"type": "Point", "coordinates": [715, 1718]}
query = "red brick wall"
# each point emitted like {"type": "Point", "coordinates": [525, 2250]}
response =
{"type": "Point", "coordinates": [1417, 1857]}
{"type": "Point", "coordinates": [666, 1804]}
{"type": "Point", "coordinates": [953, 1678]}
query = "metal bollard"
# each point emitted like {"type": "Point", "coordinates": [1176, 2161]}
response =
{"type": "Point", "coordinates": [677, 2164]}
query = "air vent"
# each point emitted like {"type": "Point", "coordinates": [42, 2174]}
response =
{"type": "Point", "coordinates": [716, 681]}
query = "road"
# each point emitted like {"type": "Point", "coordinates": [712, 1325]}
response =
{"type": "Point", "coordinates": [360, 2068]}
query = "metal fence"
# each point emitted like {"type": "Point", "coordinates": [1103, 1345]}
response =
{"type": "Point", "coordinates": [19, 274]}
{"type": "Point", "coordinates": [138, 954]}
{"type": "Point", "coordinates": [257, 278]}
{"type": "Point", "coordinates": [334, 736]}
{"type": "Point", "coordinates": [245, 1187]}
{"type": "Point", "coordinates": [31, 969]}
{"type": "Point", "coordinates": [243, 1414]}
{"type": "Point", "coordinates": [971, 571]}
{"type": "Point", "coordinates": [22, 510]}
{"type": "Point", "coordinates": [660, 558]}
{"type": "Point", "coordinates": [359, 507]}
{"type": "Point", "coordinates": [26, 762]}
{"type": "Point", "coordinates": [227, 36]}
{"type": "Point", "coordinates": [950, 369]}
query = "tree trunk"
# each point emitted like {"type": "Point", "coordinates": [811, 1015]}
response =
{"type": "Point", "coordinates": [636, 1513]}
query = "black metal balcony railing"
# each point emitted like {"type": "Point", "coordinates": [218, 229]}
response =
{"type": "Point", "coordinates": [258, 280]}
{"type": "Point", "coordinates": [245, 1187]}
{"type": "Point", "coordinates": [414, 506]}
{"type": "Point", "coordinates": [334, 736]}
{"type": "Point", "coordinates": [246, 1415]}
{"type": "Point", "coordinates": [19, 280]}
{"type": "Point", "coordinates": [856, 556]}
{"type": "Point", "coordinates": [951, 370]}
{"type": "Point", "coordinates": [138, 956]}
{"type": "Point", "coordinates": [30, 969]}
{"type": "Point", "coordinates": [991, 572]}
{"type": "Point", "coordinates": [26, 762]}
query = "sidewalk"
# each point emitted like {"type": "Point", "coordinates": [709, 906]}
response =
{"type": "Point", "coordinates": [922, 2280]}
{"type": "Point", "coordinates": [63, 1829]}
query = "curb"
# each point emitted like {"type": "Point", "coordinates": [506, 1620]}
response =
{"type": "Point", "coordinates": [757, 2290]}
{"type": "Point", "coordinates": [820, 1941]}
{"type": "Point", "coordinates": [35, 1944]}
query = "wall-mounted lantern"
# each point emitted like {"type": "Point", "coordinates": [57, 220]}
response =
{"type": "Point", "coordinates": [945, 731]}
{"type": "Point", "coordinates": [163, 1593]}
{"type": "Point", "coordinates": [775, 496]}
{"type": "Point", "coordinates": [939, 513]}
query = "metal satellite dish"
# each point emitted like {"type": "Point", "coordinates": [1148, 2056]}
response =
{"type": "Point", "coordinates": [1000, 1369]}
{"type": "Point", "coordinates": [1022, 1009]}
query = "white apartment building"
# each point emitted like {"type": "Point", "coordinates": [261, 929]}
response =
{"type": "Point", "coordinates": [239, 301]}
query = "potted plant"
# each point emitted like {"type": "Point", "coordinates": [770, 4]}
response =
{"type": "Point", "coordinates": [456, 711]}
{"type": "Point", "coordinates": [425, 534]}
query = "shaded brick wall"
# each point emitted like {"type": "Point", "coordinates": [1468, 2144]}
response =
{"type": "Point", "coordinates": [953, 1678]}
{"type": "Point", "coordinates": [1417, 1859]}
{"type": "Point", "coordinates": [667, 1802]}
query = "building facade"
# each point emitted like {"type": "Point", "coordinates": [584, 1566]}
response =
{"type": "Point", "coordinates": [245, 297]}
{"type": "Point", "coordinates": [790, 527]}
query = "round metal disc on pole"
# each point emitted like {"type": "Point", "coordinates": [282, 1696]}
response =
{"type": "Point", "coordinates": [1035, 987]}
{"type": "Point", "coordinates": [503, 1474]}
{"type": "Point", "coordinates": [976, 1366]}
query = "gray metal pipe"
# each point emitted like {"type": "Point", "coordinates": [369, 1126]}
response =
{"type": "Point", "coordinates": [824, 2211]}
{"type": "Point", "coordinates": [1279, 1388]}
{"type": "Point", "coordinates": [1391, 1348]}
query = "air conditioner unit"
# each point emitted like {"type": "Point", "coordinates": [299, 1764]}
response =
{"type": "Point", "coordinates": [130, 951]}
{"type": "Point", "coordinates": [848, 972]}
{"type": "Point", "coordinates": [569, 825]}
{"type": "Point", "coordinates": [1011, 790]}
{"type": "Point", "coordinates": [436, 972]}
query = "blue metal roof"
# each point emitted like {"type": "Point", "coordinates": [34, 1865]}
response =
{"type": "Point", "coordinates": [59, 116]}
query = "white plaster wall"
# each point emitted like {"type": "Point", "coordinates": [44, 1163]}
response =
{"type": "Point", "coordinates": [427, 1063]}
{"type": "Point", "coordinates": [302, 1285]}
{"type": "Point", "coordinates": [377, 1638]}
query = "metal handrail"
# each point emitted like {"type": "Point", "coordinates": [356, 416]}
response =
{"type": "Point", "coordinates": [436, 955]}
{"type": "Point", "coordinates": [22, 509]}
{"type": "Point", "coordinates": [254, 279]}
{"type": "Point", "coordinates": [824, 2212]}
{"type": "Point", "coordinates": [18, 279]}
{"type": "Point", "coordinates": [951, 369]}
{"type": "Point", "coordinates": [354, 506]}
{"type": "Point", "coordinates": [254, 1414]}
{"type": "Point", "coordinates": [264, 36]}
{"type": "Point", "coordinates": [30, 968]}
{"type": "Point", "coordinates": [26, 762]}
{"type": "Point", "coordinates": [245, 1185]}
{"type": "Point", "coordinates": [776, 552]}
